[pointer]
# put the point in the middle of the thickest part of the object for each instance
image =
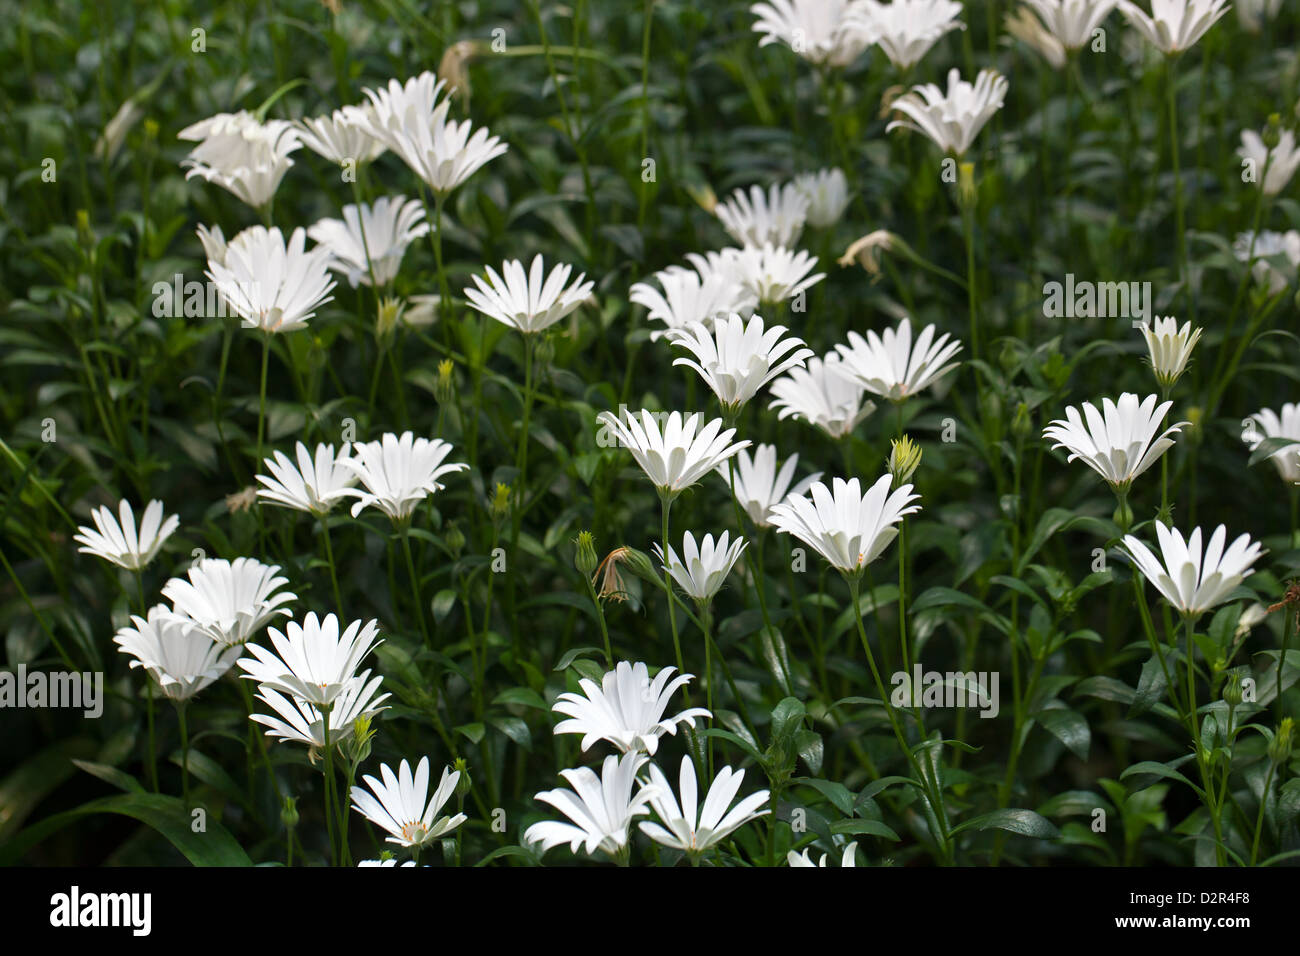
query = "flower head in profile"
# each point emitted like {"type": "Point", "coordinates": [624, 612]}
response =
{"type": "Point", "coordinates": [229, 601]}
{"type": "Point", "coordinates": [119, 541]}
{"type": "Point", "coordinates": [1072, 22]}
{"type": "Point", "coordinates": [340, 138]}
{"type": "Point", "coordinates": [759, 486]}
{"type": "Point", "coordinates": [1272, 168]}
{"type": "Point", "coordinates": [848, 528]}
{"type": "Point", "coordinates": [820, 31]}
{"type": "Point", "coordinates": [401, 805]}
{"type": "Point", "coordinates": [241, 154]}
{"type": "Point", "coordinates": [689, 298]}
{"type": "Point", "coordinates": [1169, 348]}
{"type": "Point", "coordinates": [771, 274]}
{"type": "Point", "coordinates": [676, 455]}
{"type": "Point", "coordinates": [273, 286]}
{"type": "Point", "coordinates": [627, 709]}
{"type": "Point", "coordinates": [297, 721]}
{"type": "Point", "coordinates": [313, 485]}
{"type": "Point", "coordinates": [827, 192]}
{"type": "Point", "coordinates": [1252, 13]}
{"type": "Point", "coordinates": [180, 658]}
{"type": "Point", "coordinates": [891, 366]}
{"type": "Point", "coordinates": [396, 474]}
{"type": "Point", "coordinates": [1191, 580]}
{"type": "Point", "coordinates": [602, 809]}
{"type": "Point", "coordinates": [906, 29]}
{"type": "Point", "coordinates": [529, 302]}
{"type": "Point", "coordinates": [953, 119]}
{"type": "Point", "coordinates": [693, 829]}
{"type": "Point", "coordinates": [411, 120]}
{"type": "Point", "coordinates": [367, 245]}
{"type": "Point", "coordinates": [1174, 25]}
{"type": "Point", "coordinates": [312, 661]}
{"type": "Point", "coordinates": [703, 567]}
{"type": "Point", "coordinates": [737, 358]}
{"type": "Point", "coordinates": [756, 217]}
{"type": "Point", "coordinates": [821, 395]}
{"type": "Point", "coordinates": [213, 242]}
{"type": "Point", "coordinates": [1120, 441]}
{"type": "Point", "coordinates": [1021, 24]}
{"type": "Point", "coordinates": [1275, 256]}
{"type": "Point", "coordinates": [1284, 426]}
{"type": "Point", "coordinates": [849, 858]}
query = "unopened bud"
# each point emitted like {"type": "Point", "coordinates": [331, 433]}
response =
{"type": "Point", "coordinates": [501, 501]}
{"type": "Point", "coordinates": [389, 314]}
{"type": "Point", "coordinates": [904, 458]}
{"type": "Point", "coordinates": [444, 389]}
{"type": "Point", "coordinates": [464, 783]}
{"type": "Point", "coordinates": [1022, 424]}
{"type": "Point", "coordinates": [585, 560]}
{"type": "Point", "coordinates": [85, 235]}
{"type": "Point", "coordinates": [1123, 515]}
{"type": "Point", "coordinates": [455, 540]}
{"type": "Point", "coordinates": [289, 812]}
{"type": "Point", "coordinates": [1279, 751]}
{"type": "Point", "coordinates": [1272, 131]}
{"type": "Point", "coordinates": [1232, 692]}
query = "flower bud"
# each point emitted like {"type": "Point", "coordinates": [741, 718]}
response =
{"type": "Point", "coordinates": [444, 389]}
{"type": "Point", "coordinates": [1232, 692]}
{"type": "Point", "coordinates": [85, 235]}
{"type": "Point", "coordinates": [704, 197]}
{"type": "Point", "coordinates": [1272, 131]}
{"type": "Point", "coordinates": [1123, 515]}
{"type": "Point", "coordinates": [1279, 751]}
{"type": "Point", "coordinates": [455, 540]}
{"type": "Point", "coordinates": [545, 351]}
{"type": "Point", "coordinates": [389, 314]}
{"type": "Point", "coordinates": [904, 458]}
{"type": "Point", "coordinates": [585, 560]}
{"type": "Point", "coordinates": [464, 783]}
{"type": "Point", "coordinates": [289, 812]}
{"type": "Point", "coordinates": [501, 501]}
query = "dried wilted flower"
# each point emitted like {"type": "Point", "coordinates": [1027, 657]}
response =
{"type": "Point", "coordinates": [607, 573]}
{"type": "Point", "coordinates": [242, 500]}
{"type": "Point", "coordinates": [453, 69]}
{"type": "Point", "coordinates": [866, 251]}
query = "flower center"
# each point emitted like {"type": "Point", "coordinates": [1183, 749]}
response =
{"type": "Point", "coordinates": [414, 831]}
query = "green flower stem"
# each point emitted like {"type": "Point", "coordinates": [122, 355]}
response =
{"type": "Point", "coordinates": [329, 557]}
{"type": "Point", "coordinates": [600, 617]}
{"type": "Point", "coordinates": [415, 583]}
{"type": "Point", "coordinates": [329, 782]}
{"type": "Point", "coordinates": [666, 503]}
{"type": "Point", "coordinates": [185, 754]}
{"type": "Point", "coordinates": [1259, 819]}
{"type": "Point", "coordinates": [1287, 627]}
{"type": "Point", "coordinates": [937, 811]}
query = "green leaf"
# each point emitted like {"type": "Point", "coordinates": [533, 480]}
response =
{"type": "Point", "coordinates": [111, 775]}
{"type": "Point", "coordinates": [1151, 687]}
{"type": "Point", "coordinates": [512, 727]}
{"type": "Point", "coordinates": [1069, 727]}
{"type": "Point", "coordinates": [1270, 447]}
{"type": "Point", "coordinates": [866, 827]}
{"type": "Point", "coordinates": [1024, 822]}
{"type": "Point", "coordinates": [838, 794]}
{"type": "Point", "coordinates": [523, 696]}
{"type": "Point", "coordinates": [212, 847]}
{"type": "Point", "coordinates": [786, 717]}
{"type": "Point", "coordinates": [1159, 770]}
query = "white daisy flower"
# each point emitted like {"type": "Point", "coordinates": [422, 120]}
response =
{"type": "Point", "coordinates": [300, 722]}
{"type": "Point", "coordinates": [737, 358]}
{"type": "Point", "coordinates": [180, 658]}
{"type": "Point", "coordinates": [795, 860]}
{"type": "Point", "coordinates": [906, 29]}
{"type": "Point", "coordinates": [691, 828]}
{"type": "Point", "coordinates": [313, 485]}
{"type": "Point", "coordinates": [818, 30]}
{"type": "Point", "coordinates": [229, 601]}
{"type": "Point", "coordinates": [828, 196]}
{"type": "Point", "coordinates": [120, 542]}
{"type": "Point", "coordinates": [846, 527]}
{"type": "Point", "coordinates": [240, 154]}
{"type": "Point", "coordinates": [688, 298]}
{"type": "Point", "coordinates": [602, 808]}
{"type": "Point", "coordinates": [1072, 22]}
{"type": "Point", "coordinates": [822, 395]}
{"type": "Point", "coordinates": [753, 218]}
{"type": "Point", "coordinates": [411, 121]}
{"type": "Point", "coordinates": [398, 473]}
{"type": "Point", "coordinates": [1189, 579]}
{"type": "Point", "coordinates": [1273, 168]}
{"type": "Point", "coordinates": [1169, 348]}
{"type": "Point", "coordinates": [952, 119]}
{"type": "Point", "coordinates": [340, 139]}
{"type": "Point", "coordinates": [1119, 442]}
{"type": "Point", "coordinates": [372, 242]}
{"type": "Point", "coordinates": [890, 366]}
{"type": "Point", "coordinates": [627, 709]}
{"type": "Point", "coordinates": [270, 285]}
{"type": "Point", "coordinates": [680, 454]}
{"type": "Point", "coordinates": [759, 486]}
{"type": "Point", "coordinates": [1267, 250]}
{"type": "Point", "coordinates": [771, 274]}
{"type": "Point", "coordinates": [1174, 25]}
{"type": "Point", "coordinates": [1286, 425]}
{"type": "Point", "coordinates": [398, 803]}
{"type": "Point", "coordinates": [312, 661]}
{"type": "Point", "coordinates": [529, 302]}
{"type": "Point", "coordinates": [705, 566]}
